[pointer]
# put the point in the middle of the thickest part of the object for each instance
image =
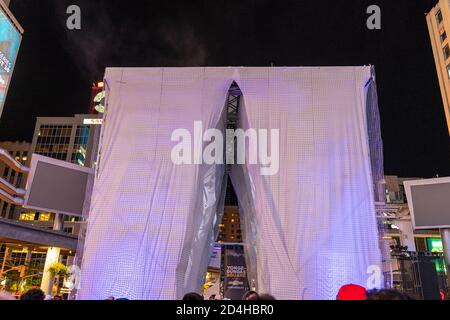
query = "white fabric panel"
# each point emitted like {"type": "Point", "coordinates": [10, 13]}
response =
{"type": "Point", "coordinates": [309, 229]}
{"type": "Point", "coordinates": [151, 222]}
{"type": "Point", "coordinates": [313, 225]}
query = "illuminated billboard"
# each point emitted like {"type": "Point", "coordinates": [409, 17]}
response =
{"type": "Point", "coordinates": [10, 38]}
{"type": "Point", "coordinates": [429, 200]}
{"type": "Point", "coordinates": [435, 245]}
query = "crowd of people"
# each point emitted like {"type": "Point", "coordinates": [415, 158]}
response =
{"type": "Point", "coordinates": [32, 294]}
{"type": "Point", "coordinates": [356, 292]}
{"type": "Point", "coordinates": [346, 293]}
{"type": "Point", "coordinates": [349, 292]}
{"type": "Point", "coordinates": [250, 295]}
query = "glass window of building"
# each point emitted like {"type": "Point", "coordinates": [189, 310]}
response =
{"type": "Point", "coordinates": [28, 216]}
{"type": "Point", "coordinates": [45, 216]}
{"type": "Point", "coordinates": [4, 207]}
{"type": "Point", "coordinates": [439, 17]}
{"type": "Point", "coordinates": [68, 230]}
{"type": "Point", "coordinates": [443, 36]}
{"type": "Point", "coordinates": [53, 141]}
{"type": "Point", "coordinates": [446, 52]}
{"type": "Point", "coordinates": [80, 145]}
{"type": "Point", "coordinates": [19, 179]}
{"type": "Point", "coordinates": [18, 258]}
{"type": "Point", "coordinates": [421, 244]}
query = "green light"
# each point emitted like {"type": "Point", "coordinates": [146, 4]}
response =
{"type": "Point", "coordinates": [435, 245]}
{"type": "Point", "coordinates": [99, 102]}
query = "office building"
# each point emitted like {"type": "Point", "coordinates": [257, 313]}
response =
{"type": "Point", "coordinates": [31, 241]}
{"type": "Point", "coordinates": [65, 138]}
{"type": "Point", "coordinates": [438, 20]}
{"type": "Point", "coordinates": [19, 151]}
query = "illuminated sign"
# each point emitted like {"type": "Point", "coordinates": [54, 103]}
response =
{"type": "Point", "coordinates": [99, 102]}
{"type": "Point", "coordinates": [93, 121]}
{"type": "Point", "coordinates": [10, 39]}
{"type": "Point", "coordinates": [435, 245]}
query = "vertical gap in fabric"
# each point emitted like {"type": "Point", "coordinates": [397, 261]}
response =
{"type": "Point", "coordinates": [377, 164]}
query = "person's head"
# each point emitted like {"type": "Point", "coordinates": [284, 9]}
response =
{"type": "Point", "coordinates": [33, 294]}
{"type": "Point", "coordinates": [387, 294]}
{"type": "Point", "coordinates": [266, 296]}
{"type": "Point", "coordinates": [250, 295]}
{"type": "Point", "coordinates": [59, 298]}
{"type": "Point", "coordinates": [352, 292]}
{"type": "Point", "coordinates": [193, 297]}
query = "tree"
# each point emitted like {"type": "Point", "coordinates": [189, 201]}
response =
{"type": "Point", "coordinates": [58, 271]}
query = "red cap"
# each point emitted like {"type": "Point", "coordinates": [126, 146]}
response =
{"type": "Point", "coordinates": [352, 292]}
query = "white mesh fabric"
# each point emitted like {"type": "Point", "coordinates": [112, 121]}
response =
{"type": "Point", "coordinates": [313, 224]}
{"type": "Point", "coordinates": [151, 222]}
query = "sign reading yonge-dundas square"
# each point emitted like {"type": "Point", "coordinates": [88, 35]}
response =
{"type": "Point", "coordinates": [189, 149]}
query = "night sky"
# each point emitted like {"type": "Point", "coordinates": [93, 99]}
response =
{"type": "Point", "coordinates": [56, 67]}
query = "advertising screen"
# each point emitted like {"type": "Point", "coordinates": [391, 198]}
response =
{"type": "Point", "coordinates": [435, 245]}
{"type": "Point", "coordinates": [429, 200]}
{"type": "Point", "coordinates": [10, 39]}
{"type": "Point", "coordinates": [56, 186]}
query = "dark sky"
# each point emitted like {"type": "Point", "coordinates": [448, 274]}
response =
{"type": "Point", "coordinates": [56, 67]}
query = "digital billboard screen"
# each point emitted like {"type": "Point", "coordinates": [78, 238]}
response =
{"type": "Point", "coordinates": [429, 202]}
{"type": "Point", "coordinates": [10, 39]}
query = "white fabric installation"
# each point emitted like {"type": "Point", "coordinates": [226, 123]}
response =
{"type": "Point", "coordinates": [309, 228]}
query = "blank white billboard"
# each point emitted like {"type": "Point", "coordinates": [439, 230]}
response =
{"type": "Point", "coordinates": [429, 202]}
{"type": "Point", "coordinates": [56, 186]}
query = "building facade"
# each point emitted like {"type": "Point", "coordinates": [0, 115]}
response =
{"type": "Point", "coordinates": [438, 21]}
{"type": "Point", "coordinates": [22, 263]}
{"type": "Point", "coordinates": [65, 138]}
{"type": "Point", "coordinates": [400, 230]}
{"type": "Point", "coordinates": [68, 139]}
{"type": "Point", "coordinates": [20, 151]}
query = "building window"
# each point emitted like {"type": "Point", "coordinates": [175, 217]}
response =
{"type": "Point", "coordinates": [68, 230]}
{"type": "Point", "coordinates": [443, 36]}
{"type": "Point", "coordinates": [439, 17]}
{"type": "Point", "coordinates": [421, 244]}
{"type": "Point", "coordinates": [54, 141]}
{"type": "Point", "coordinates": [19, 179]}
{"type": "Point", "coordinates": [28, 216]}
{"type": "Point", "coordinates": [45, 217]}
{"type": "Point", "coordinates": [18, 258]}
{"type": "Point", "coordinates": [446, 52]}
{"type": "Point", "coordinates": [81, 145]}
